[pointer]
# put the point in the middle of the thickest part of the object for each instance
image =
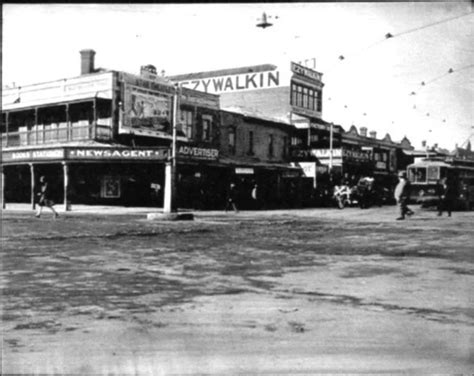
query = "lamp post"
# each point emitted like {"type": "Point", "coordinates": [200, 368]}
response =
{"type": "Point", "coordinates": [170, 168]}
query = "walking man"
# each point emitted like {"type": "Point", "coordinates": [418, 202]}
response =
{"type": "Point", "coordinates": [446, 197]}
{"type": "Point", "coordinates": [44, 198]}
{"type": "Point", "coordinates": [232, 199]}
{"type": "Point", "coordinates": [402, 193]}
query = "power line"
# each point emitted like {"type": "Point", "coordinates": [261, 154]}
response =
{"type": "Point", "coordinates": [431, 24]}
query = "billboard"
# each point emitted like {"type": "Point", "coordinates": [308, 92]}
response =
{"type": "Point", "coordinates": [147, 107]}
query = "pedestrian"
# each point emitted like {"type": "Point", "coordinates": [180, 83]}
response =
{"type": "Point", "coordinates": [254, 195]}
{"type": "Point", "coordinates": [446, 196]}
{"type": "Point", "coordinates": [232, 199]}
{"type": "Point", "coordinates": [402, 194]}
{"type": "Point", "coordinates": [44, 198]}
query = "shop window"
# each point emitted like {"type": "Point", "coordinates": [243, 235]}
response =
{"type": "Point", "coordinates": [231, 140]}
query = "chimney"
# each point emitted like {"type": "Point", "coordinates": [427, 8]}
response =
{"type": "Point", "coordinates": [363, 131]}
{"type": "Point", "coordinates": [87, 61]}
{"type": "Point", "coordinates": [423, 144]}
{"type": "Point", "coordinates": [373, 134]}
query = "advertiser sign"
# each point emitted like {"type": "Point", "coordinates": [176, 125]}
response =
{"type": "Point", "coordinates": [117, 153]}
{"type": "Point", "coordinates": [236, 82]}
{"type": "Point", "coordinates": [198, 153]}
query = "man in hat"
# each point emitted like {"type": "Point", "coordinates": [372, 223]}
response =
{"type": "Point", "coordinates": [402, 193]}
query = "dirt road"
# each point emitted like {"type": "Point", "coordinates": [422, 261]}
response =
{"type": "Point", "coordinates": [283, 292]}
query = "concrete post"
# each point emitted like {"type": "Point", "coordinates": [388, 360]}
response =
{"type": "Point", "coordinates": [66, 185]}
{"type": "Point", "coordinates": [33, 187]}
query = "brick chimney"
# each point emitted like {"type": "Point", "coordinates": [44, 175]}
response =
{"type": "Point", "coordinates": [373, 134]}
{"type": "Point", "coordinates": [363, 131]}
{"type": "Point", "coordinates": [87, 61]}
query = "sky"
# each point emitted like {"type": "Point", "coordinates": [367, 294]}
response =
{"type": "Point", "coordinates": [377, 85]}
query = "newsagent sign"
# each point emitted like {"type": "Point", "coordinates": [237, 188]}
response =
{"type": "Point", "coordinates": [115, 153]}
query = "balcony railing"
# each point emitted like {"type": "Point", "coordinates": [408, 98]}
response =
{"type": "Point", "coordinates": [58, 133]}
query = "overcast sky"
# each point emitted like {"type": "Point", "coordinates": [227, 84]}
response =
{"type": "Point", "coordinates": [371, 87]}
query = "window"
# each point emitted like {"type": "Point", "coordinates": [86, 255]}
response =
{"type": "Point", "coordinates": [306, 97]}
{"type": "Point", "coordinates": [187, 123]}
{"type": "Point", "coordinates": [270, 146]}
{"type": "Point", "coordinates": [231, 140]}
{"type": "Point", "coordinates": [250, 152]}
{"type": "Point", "coordinates": [319, 101]}
{"type": "Point", "coordinates": [285, 146]}
{"type": "Point", "coordinates": [206, 127]}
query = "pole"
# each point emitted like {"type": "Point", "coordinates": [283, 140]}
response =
{"type": "Point", "coordinates": [66, 185]}
{"type": "Point", "coordinates": [170, 168]}
{"type": "Point", "coordinates": [33, 188]}
{"type": "Point", "coordinates": [330, 146]}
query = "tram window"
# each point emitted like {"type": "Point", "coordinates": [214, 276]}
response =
{"type": "Point", "coordinates": [433, 173]}
{"type": "Point", "coordinates": [417, 175]}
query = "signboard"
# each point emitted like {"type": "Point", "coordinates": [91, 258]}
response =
{"type": "Point", "coordinates": [306, 72]}
{"type": "Point", "coordinates": [88, 86]}
{"type": "Point", "coordinates": [380, 165]}
{"type": "Point", "coordinates": [309, 170]}
{"type": "Point", "coordinates": [32, 155]}
{"type": "Point", "coordinates": [117, 153]}
{"type": "Point", "coordinates": [244, 171]}
{"type": "Point", "coordinates": [146, 110]}
{"type": "Point", "coordinates": [236, 82]}
{"type": "Point", "coordinates": [198, 153]}
{"type": "Point", "coordinates": [110, 187]}
{"type": "Point", "coordinates": [326, 153]}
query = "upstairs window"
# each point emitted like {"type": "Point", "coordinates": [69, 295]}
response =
{"type": "Point", "coordinates": [250, 151]}
{"type": "Point", "coordinates": [231, 140]}
{"type": "Point", "coordinates": [206, 127]}
{"type": "Point", "coordinates": [270, 146]}
{"type": "Point", "coordinates": [187, 123]}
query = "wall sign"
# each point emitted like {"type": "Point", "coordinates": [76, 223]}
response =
{"type": "Point", "coordinates": [116, 153]}
{"type": "Point", "coordinates": [32, 155]}
{"type": "Point", "coordinates": [237, 82]}
{"type": "Point", "coordinates": [198, 153]}
{"type": "Point", "coordinates": [244, 171]}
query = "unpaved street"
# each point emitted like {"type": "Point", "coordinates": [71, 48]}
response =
{"type": "Point", "coordinates": [283, 292]}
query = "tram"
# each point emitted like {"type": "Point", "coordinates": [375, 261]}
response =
{"type": "Point", "coordinates": [425, 176]}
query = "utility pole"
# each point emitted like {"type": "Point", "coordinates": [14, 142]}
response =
{"type": "Point", "coordinates": [170, 168]}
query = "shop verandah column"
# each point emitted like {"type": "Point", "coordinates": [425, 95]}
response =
{"type": "Point", "coordinates": [66, 185]}
{"type": "Point", "coordinates": [33, 188]}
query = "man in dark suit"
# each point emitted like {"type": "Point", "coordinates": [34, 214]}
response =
{"type": "Point", "coordinates": [447, 195]}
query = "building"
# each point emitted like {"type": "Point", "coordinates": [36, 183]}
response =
{"type": "Point", "coordinates": [104, 138]}
{"type": "Point", "coordinates": [293, 94]}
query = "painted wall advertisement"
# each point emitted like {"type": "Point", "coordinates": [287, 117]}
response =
{"type": "Point", "coordinates": [146, 112]}
{"type": "Point", "coordinates": [235, 82]}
